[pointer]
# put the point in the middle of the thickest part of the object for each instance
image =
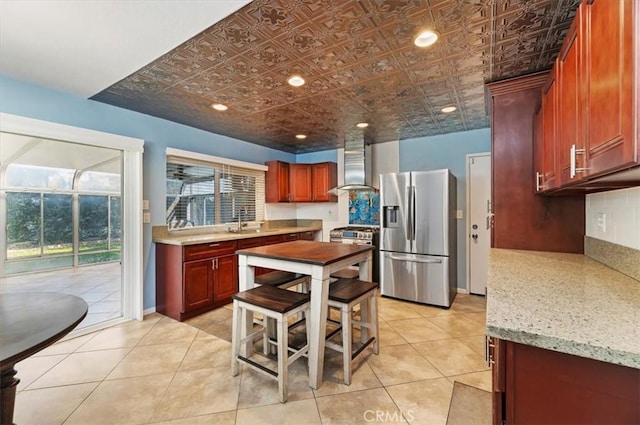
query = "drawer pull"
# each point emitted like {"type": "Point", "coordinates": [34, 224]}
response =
{"type": "Point", "coordinates": [213, 245]}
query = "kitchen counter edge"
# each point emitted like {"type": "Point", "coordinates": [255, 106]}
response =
{"type": "Point", "coordinates": [177, 239]}
{"type": "Point", "coordinates": [564, 302]}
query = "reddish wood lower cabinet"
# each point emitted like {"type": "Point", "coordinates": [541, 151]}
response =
{"type": "Point", "coordinates": [546, 387]}
{"type": "Point", "coordinates": [193, 279]}
{"type": "Point", "coordinates": [225, 278]}
{"type": "Point", "coordinates": [198, 284]}
{"type": "Point", "coordinates": [290, 237]}
{"type": "Point", "coordinates": [306, 236]}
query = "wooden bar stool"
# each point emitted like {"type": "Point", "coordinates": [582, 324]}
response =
{"type": "Point", "coordinates": [345, 294]}
{"type": "Point", "coordinates": [280, 305]}
{"type": "Point", "coordinates": [281, 279]}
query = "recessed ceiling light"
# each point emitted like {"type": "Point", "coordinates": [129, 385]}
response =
{"type": "Point", "coordinates": [362, 125]}
{"type": "Point", "coordinates": [219, 107]}
{"type": "Point", "coordinates": [426, 38]}
{"type": "Point", "coordinates": [296, 81]}
{"type": "Point", "coordinates": [301, 136]}
{"type": "Point", "coordinates": [448, 109]}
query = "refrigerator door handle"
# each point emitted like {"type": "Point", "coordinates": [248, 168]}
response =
{"type": "Point", "coordinates": [413, 213]}
{"type": "Point", "coordinates": [410, 213]}
{"type": "Point", "coordinates": [414, 260]}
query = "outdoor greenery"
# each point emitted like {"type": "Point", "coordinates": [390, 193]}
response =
{"type": "Point", "coordinates": [36, 220]}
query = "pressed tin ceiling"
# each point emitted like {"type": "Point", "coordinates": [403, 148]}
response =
{"type": "Point", "coordinates": [359, 63]}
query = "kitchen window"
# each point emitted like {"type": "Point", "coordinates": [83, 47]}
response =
{"type": "Point", "coordinates": [204, 190]}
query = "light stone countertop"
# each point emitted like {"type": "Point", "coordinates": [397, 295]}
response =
{"type": "Point", "coordinates": [190, 237]}
{"type": "Point", "coordinates": [564, 302]}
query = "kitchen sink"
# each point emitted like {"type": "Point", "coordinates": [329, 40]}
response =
{"type": "Point", "coordinates": [252, 231]}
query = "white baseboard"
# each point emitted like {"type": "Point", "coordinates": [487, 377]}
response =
{"type": "Point", "coordinates": [149, 311]}
{"type": "Point", "coordinates": [462, 291]}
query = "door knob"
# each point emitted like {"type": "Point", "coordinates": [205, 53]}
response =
{"type": "Point", "coordinates": [474, 236]}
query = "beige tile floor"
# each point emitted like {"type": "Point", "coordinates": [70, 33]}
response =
{"type": "Point", "coordinates": [99, 285]}
{"type": "Point", "coordinates": [160, 371]}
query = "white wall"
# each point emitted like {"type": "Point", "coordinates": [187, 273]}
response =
{"type": "Point", "coordinates": [385, 159]}
{"type": "Point", "coordinates": [614, 216]}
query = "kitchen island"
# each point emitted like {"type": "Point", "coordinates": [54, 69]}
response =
{"type": "Point", "coordinates": [564, 339]}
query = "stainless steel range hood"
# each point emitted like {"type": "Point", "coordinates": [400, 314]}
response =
{"type": "Point", "coordinates": [357, 167]}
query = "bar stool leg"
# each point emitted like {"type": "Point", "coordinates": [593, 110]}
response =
{"type": "Point", "coordinates": [346, 342]}
{"type": "Point", "coordinates": [283, 358]}
{"type": "Point", "coordinates": [373, 311]}
{"type": "Point", "coordinates": [236, 338]}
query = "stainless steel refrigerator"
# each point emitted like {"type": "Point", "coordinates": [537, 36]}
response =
{"type": "Point", "coordinates": [418, 236]}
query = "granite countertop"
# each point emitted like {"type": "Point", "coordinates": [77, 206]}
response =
{"type": "Point", "coordinates": [564, 302]}
{"type": "Point", "coordinates": [198, 236]}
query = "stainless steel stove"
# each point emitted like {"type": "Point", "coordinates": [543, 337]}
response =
{"type": "Point", "coordinates": [360, 235]}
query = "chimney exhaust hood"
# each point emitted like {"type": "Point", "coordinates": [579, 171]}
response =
{"type": "Point", "coordinates": [357, 169]}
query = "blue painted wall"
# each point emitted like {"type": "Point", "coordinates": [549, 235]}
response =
{"type": "Point", "coordinates": [322, 156]}
{"type": "Point", "coordinates": [447, 151]}
{"type": "Point", "coordinates": [28, 100]}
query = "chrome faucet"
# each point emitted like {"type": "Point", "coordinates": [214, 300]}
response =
{"type": "Point", "coordinates": [240, 223]}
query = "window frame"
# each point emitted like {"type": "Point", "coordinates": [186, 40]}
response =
{"type": "Point", "coordinates": [222, 168]}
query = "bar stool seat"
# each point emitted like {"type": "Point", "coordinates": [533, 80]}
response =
{"type": "Point", "coordinates": [345, 294]}
{"type": "Point", "coordinates": [281, 279]}
{"type": "Point", "coordinates": [346, 274]}
{"type": "Point", "coordinates": [277, 304]}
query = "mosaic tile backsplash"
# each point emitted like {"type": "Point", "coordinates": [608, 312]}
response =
{"type": "Point", "coordinates": [364, 208]}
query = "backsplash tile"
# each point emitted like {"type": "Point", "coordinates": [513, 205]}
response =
{"type": "Point", "coordinates": [614, 216]}
{"type": "Point", "coordinates": [364, 208]}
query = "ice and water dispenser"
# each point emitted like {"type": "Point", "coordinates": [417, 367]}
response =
{"type": "Point", "coordinates": [390, 216]}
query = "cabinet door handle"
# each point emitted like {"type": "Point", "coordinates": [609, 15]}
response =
{"type": "Point", "coordinates": [573, 152]}
{"type": "Point", "coordinates": [539, 185]}
{"type": "Point", "coordinates": [216, 264]}
{"type": "Point", "coordinates": [213, 264]}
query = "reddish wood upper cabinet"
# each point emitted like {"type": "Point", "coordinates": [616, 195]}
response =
{"type": "Point", "coordinates": [545, 136]}
{"type": "Point", "coordinates": [523, 220]}
{"type": "Point", "coordinates": [277, 182]}
{"type": "Point", "coordinates": [300, 183]}
{"type": "Point", "coordinates": [611, 42]}
{"type": "Point", "coordinates": [547, 387]}
{"type": "Point", "coordinates": [571, 110]}
{"type": "Point", "coordinates": [538, 150]}
{"type": "Point", "coordinates": [324, 177]}
{"type": "Point", "coordinates": [597, 95]}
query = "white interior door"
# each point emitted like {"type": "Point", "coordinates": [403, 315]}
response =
{"type": "Point", "coordinates": [479, 221]}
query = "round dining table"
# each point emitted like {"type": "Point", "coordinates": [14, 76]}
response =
{"type": "Point", "coordinates": [30, 322]}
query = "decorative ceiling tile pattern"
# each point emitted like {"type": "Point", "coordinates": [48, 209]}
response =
{"type": "Point", "coordinates": [359, 63]}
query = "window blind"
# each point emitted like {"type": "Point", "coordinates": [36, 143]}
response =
{"type": "Point", "coordinates": [207, 193]}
